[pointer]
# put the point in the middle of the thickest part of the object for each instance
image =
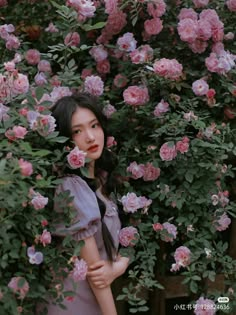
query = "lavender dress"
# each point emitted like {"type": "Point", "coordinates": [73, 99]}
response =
{"type": "Point", "coordinates": [87, 223]}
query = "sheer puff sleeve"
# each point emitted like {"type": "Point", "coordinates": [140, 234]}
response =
{"type": "Point", "coordinates": [88, 217]}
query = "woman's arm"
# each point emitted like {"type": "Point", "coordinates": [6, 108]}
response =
{"type": "Point", "coordinates": [102, 273]}
{"type": "Point", "coordinates": [89, 252]}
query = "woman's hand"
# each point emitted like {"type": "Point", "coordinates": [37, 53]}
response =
{"type": "Point", "coordinates": [103, 273]}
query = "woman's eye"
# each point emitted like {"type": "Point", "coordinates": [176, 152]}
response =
{"type": "Point", "coordinates": [76, 132]}
{"type": "Point", "coordinates": [95, 125]}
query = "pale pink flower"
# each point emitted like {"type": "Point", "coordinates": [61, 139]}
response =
{"type": "Point", "coordinates": [12, 42]}
{"type": "Point", "coordinates": [10, 66]}
{"type": "Point", "coordinates": [188, 30]}
{"type": "Point", "coordinates": [188, 13]}
{"type": "Point", "coordinates": [26, 167]}
{"type": "Point", "coordinates": [204, 31]}
{"type": "Point", "coordinates": [142, 54]}
{"type": "Point", "coordinates": [40, 79]}
{"type": "Point", "coordinates": [111, 142]}
{"type": "Point", "coordinates": [156, 8]}
{"type": "Point", "coordinates": [43, 124]}
{"type": "Point", "coordinates": [32, 56]}
{"type": "Point", "coordinates": [171, 229]}
{"type": "Point", "coordinates": [153, 26]}
{"type": "Point", "coordinates": [44, 66]}
{"type": "Point", "coordinates": [127, 236]}
{"type": "Point", "coordinates": [168, 68]}
{"type": "Point", "coordinates": [108, 110]}
{"type": "Point", "coordinates": [111, 6]}
{"type": "Point", "coordinates": [72, 39]}
{"type": "Point", "coordinates": [127, 42]}
{"type": "Point", "coordinates": [151, 172]}
{"type": "Point", "coordinates": [182, 146]}
{"type": "Point", "coordinates": [20, 84]}
{"type": "Point", "coordinates": [200, 87]}
{"type": "Point", "coordinates": [37, 200]}
{"type": "Point", "coordinates": [190, 116]}
{"type": "Point", "coordinates": [136, 95]}
{"type": "Point", "coordinates": [200, 3]}
{"type": "Point", "coordinates": [51, 28]}
{"type": "Point", "coordinates": [45, 238]}
{"type": "Point", "coordinates": [99, 53]}
{"type": "Point", "coordinates": [198, 46]}
{"type": "Point", "coordinates": [35, 258]}
{"type": "Point", "coordinates": [130, 202]}
{"type": "Point", "coordinates": [231, 4]}
{"type": "Point", "coordinates": [17, 58]}
{"type": "Point", "coordinates": [204, 307]}
{"type": "Point", "coordinates": [58, 92]}
{"type": "Point", "coordinates": [157, 227]}
{"type": "Point", "coordinates": [5, 29]}
{"type": "Point", "coordinates": [222, 223]}
{"type": "Point", "coordinates": [20, 286]}
{"type": "Point", "coordinates": [76, 158]}
{"type": "Point", "coordinates": [80, 270]}
{"type": "Point", "coordinates": [144, 203]}
{"type": "Point", "coordinates": [168, 151]}
{"type": "Point", "coordinates": [161, 108]}
{"type": "Point", "coordinates": [229, 35]}
{"type": "Point", "coordinates": [182, 258]}
{"type": "Point", "coordinates": [17, 132]}
{"type": "Point", "coordinates": [137, 170]}
{"type": "Point", "coordinates": [94, 85]}
{"type": "Point", "coordinates": [3, 112]}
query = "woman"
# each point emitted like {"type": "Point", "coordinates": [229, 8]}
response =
{"type": "Point", "coordinates": [79, 118]}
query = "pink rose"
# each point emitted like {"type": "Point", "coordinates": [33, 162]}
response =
{"type": "Point", "coordinates": [161, 108]}
{"type": "Point", "coordinates": [20, 84]}
{"type": "Point", "coordinates": [231, 4]}
{"type": "Point", "coordinates": [17, 132]}
{"type": "Point", "coordinates": [26, 167]}
{"type": "Point", "coordinates": [171, 229]}
{"type": "Point", "coordinates": [130, 202]}
{"type": "Point", "coordinates": [222, 223]}
{"type": "Point", "coordinates": [127, 42]}
{"type": "Point", "coordinates": [111, 142]}
{"type": "Point", "coordinates": [20, 286]}
{"type": "Point", "coordinates": [94, 85]}
{"type": "Point", "coordinates": [80, 270]}
{"type": "Point", "coordinates": [45, 238]}
{"type": "Point", "coordinates": [120, 81]}
{"type": "Point", "coordinates": [153, 26]}
{"type": "Point", "coordinates": [200, 87]}
{"type": "Point", "coordinates": [136, 95]}
{"type": "Point", "coordinates": [76, 158]}
{"type": "Point", "coordinates": [103, 66]}
{"type": "Point", "coordinates": [183, 145]}
{"type": "Point", "coordinates": [127, 236]}
{"type": "Point", "coordinates": [137, 170]}
{"type": "Point", "coordinates": [204, 307]}
{"type": "Point", "coordinates": [168, 151]}
{"type": "Point", "coordinates": [157, 227]}
{"type": "Point", "coordinates": [72, 39]}
{"type": "Point", "coordinates": [182, 258]}
{"type": "Point", "coordinates": [32, 56]}
{"type": "Point", "coordinates": [151, 172]}
{"type": "Point", "coordinates": [37, 200]}
{"type": "Point", "coordinates": [99, 53]}
{"type": "Point", "coordinates": [108, 110]}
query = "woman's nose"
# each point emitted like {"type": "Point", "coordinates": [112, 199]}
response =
{"type": "Point", "coordinates": [89, 136]}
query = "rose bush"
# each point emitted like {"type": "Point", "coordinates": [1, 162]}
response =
{"type": "Point", "coordinates": [165, 72]}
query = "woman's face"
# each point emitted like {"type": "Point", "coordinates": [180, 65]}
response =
{"type": "Point", "coordinates": [87, 133]}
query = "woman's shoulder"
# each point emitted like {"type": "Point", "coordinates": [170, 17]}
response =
{"type": "Point", "coordinates": [69, 181]}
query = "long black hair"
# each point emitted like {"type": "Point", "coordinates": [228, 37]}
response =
{"type": "Point", "coordinates": [62, 111]}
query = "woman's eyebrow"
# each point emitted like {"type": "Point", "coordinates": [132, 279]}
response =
{"type": "Point", "coordinates": [80, 125]}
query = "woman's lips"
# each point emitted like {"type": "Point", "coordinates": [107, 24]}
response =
{"type": "Point", "coordinates": [93, 148]}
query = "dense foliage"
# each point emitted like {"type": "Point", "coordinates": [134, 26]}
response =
{"type": "Point", "coordinates": [165, 73]}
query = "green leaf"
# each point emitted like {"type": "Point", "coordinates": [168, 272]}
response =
{"type": "Point", "coordinates": [88, 27]}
